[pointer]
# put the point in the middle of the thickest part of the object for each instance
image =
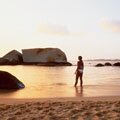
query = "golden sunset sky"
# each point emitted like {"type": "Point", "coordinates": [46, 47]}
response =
{"type": "Point", "coordinates": [90, 28]}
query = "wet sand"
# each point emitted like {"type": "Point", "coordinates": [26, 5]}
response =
{"type": "Point", "coordinates": [75, 108]}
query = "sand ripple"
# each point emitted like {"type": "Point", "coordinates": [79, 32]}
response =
{"type": "Point", "coordinates": [65, 110]}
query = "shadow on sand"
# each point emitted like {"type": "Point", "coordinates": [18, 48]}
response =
{"type": "Point", "coordinates": [7, 91]}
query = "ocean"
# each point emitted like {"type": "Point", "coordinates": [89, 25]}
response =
{"type": "Point", "coordinates": [58, 81]}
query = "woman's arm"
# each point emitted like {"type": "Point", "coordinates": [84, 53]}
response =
{"type": "Point", "coordinates": [76, 68]}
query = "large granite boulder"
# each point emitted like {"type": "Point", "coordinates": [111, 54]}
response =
{"type": "Point", "coordinates": [13, 58]}
{"type": "Point", "coordinates": [108, 64]}
{"type": "Point", "coordinates": [8, 81]}
{"type": "Point", "coordinates": [45, 56]}
{"type": "Point", "coordinates": [116, 64]}
{"type": "Point", "coordinates": [99, 65]}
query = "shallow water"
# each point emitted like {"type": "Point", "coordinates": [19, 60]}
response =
{"type": "Point", "coordinates": [42, 82]}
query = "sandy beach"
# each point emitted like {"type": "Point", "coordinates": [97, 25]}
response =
{"type": "Point", "coordinates": [84, 108]}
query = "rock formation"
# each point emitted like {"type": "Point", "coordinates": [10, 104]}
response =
{"type": "Point", "coordinates": [108, 64]}
{"type": "Point", "coordinates": [36, 56]}
{"type": "Point", "coordinates": [44, 56]}
{"type": "Point", "coordinates": [99, 65]}
{"type": "Point", "coordinates": [116, 64]}
{"type": "Point", "coordinates": [8, 81]}
{"type": "Point", "coordinates": [13, 58]}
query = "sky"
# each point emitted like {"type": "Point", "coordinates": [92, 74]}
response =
{"type": "Point", "coordinates": [90, 28]}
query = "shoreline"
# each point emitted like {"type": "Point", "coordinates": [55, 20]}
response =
{"type": "Point", "coordinates": [58, 99]}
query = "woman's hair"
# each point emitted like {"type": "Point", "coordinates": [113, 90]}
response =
{"type": "Point", "coordinates": [80, 57]}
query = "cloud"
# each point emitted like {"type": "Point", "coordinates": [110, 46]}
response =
{"type": "Point", "coordinates": [113, 26]}
{"type": "Point", "coordinates": [58, 30]}
{"type": "Point", "coordinates": [53, 29]}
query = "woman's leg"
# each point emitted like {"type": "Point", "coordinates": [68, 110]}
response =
{"type": "Point", "coordinates": [76, 80]}
{"type": "Point", "coordinates": [81, 80]}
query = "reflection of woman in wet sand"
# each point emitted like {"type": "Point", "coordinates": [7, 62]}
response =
{"type": "Point", "coordinates": [79, 91]}
{"type": "Point", "coordinates": [79, 71]}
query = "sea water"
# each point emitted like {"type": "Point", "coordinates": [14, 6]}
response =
{"type": "Point", "coordinates": [58, 81]}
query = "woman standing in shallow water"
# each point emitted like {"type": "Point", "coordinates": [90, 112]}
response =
{"type": "Point", "coordinates": [79, 71]}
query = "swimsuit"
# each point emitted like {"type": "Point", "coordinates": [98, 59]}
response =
{"type": "Point", "coordinates": [80, 70]}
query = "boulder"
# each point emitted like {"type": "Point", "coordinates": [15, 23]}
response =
{"type": "Point", "coordinates": [116, 64]}
{"type": "Point", "coordinates": [4, 61]}
{"type": "Point", "coordinates": [13, 57]}
{"type": "Point", "coordinates": [99, 65]}
{"type": "Point", "coordinates": [44, 56]}
{"type": "Point", "coordinates": [8, 81]}
{"type": "Point", "coordinates": [108, 64]}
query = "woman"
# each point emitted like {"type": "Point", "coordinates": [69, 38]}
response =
{"type": "Point", "coordinates": [79, 71]}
